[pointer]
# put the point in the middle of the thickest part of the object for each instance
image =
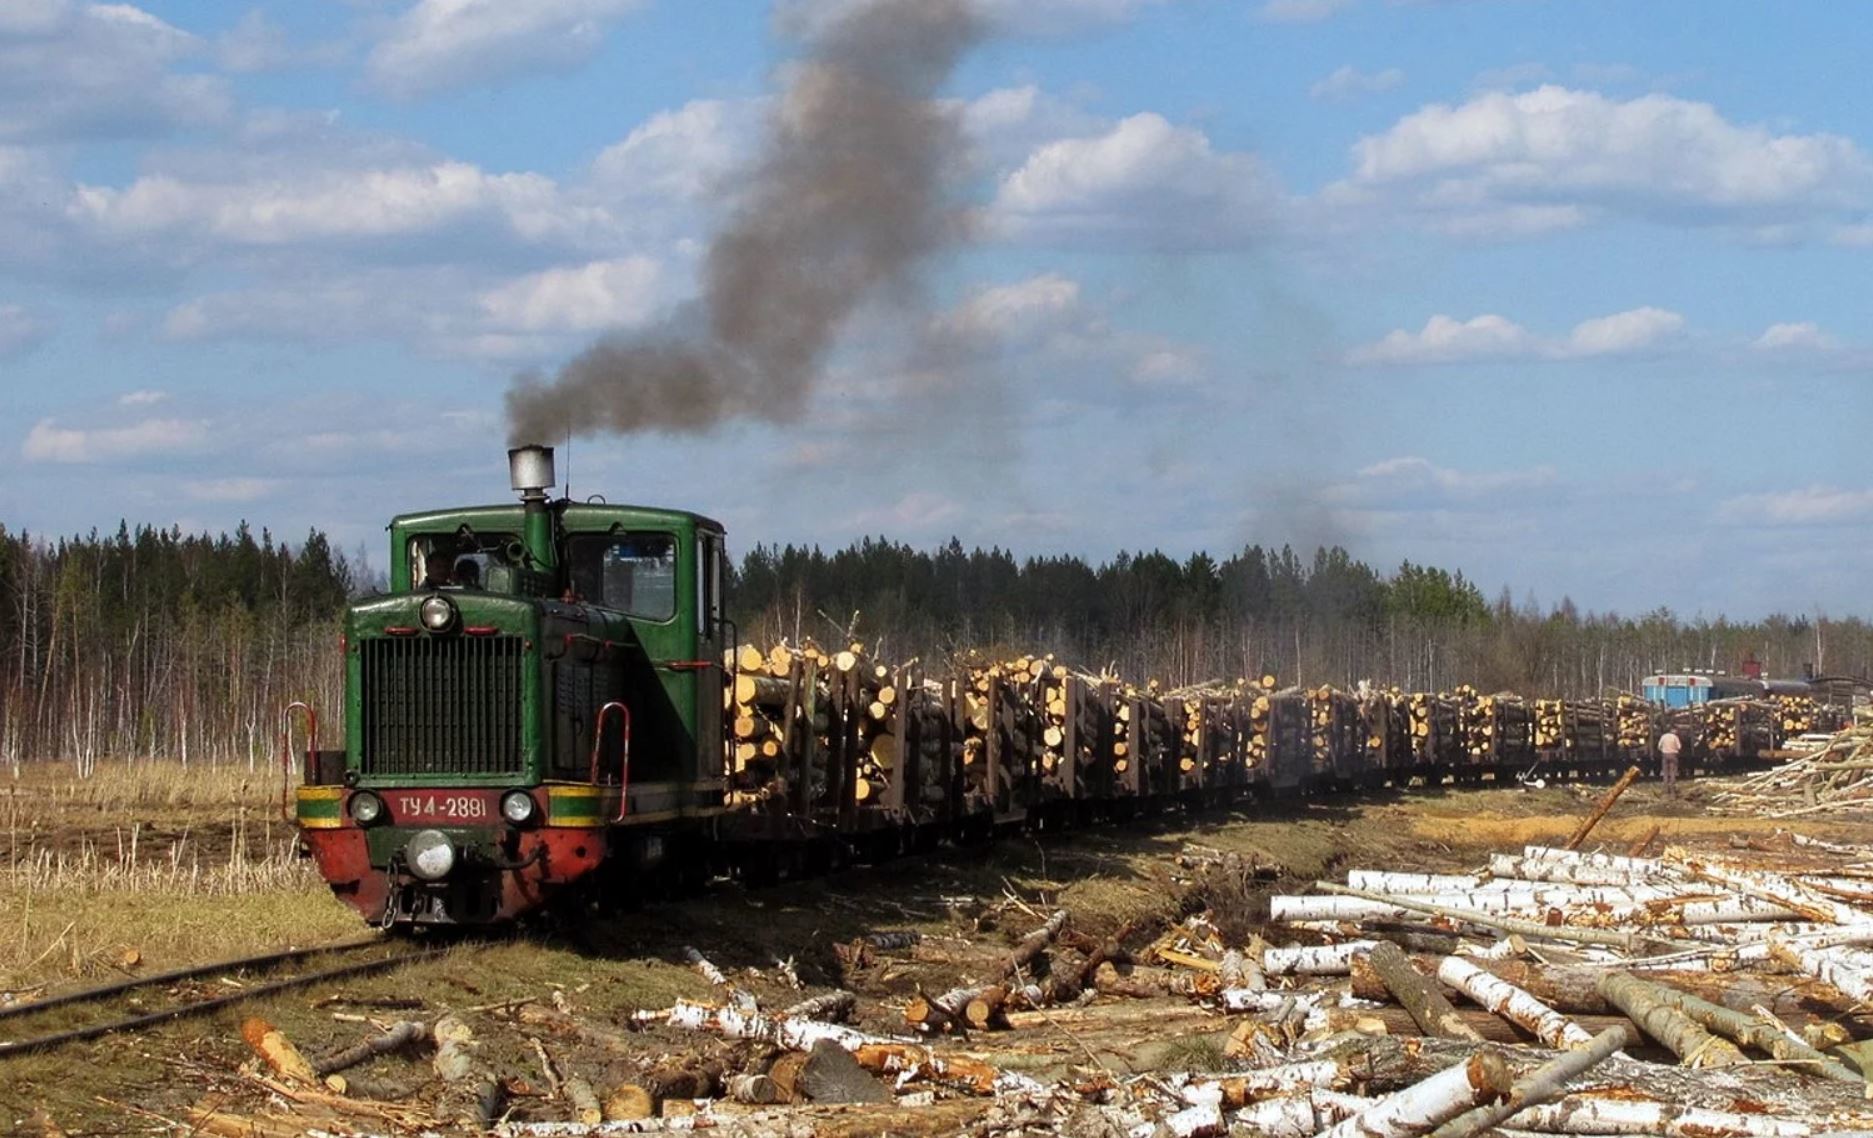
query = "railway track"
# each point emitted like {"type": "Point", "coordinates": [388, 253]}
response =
{"type": "Point", "coordinates": [378, 952]}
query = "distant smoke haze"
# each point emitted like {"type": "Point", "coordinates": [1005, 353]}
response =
{"type": "Point", "coordinates": [848, 196]}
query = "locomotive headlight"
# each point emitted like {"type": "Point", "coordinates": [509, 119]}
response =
{"type": "Point", "coordinates": [437, 613]}
{"type": "Point", "coordinates": [517, 806]}
{"type": "Point", "coordinates": [366, 808]}
{"type": "Point", "coordinates": [430, 855]}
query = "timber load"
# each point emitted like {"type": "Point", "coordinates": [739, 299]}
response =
{"type": "Point", "coordinates": [841, 736]}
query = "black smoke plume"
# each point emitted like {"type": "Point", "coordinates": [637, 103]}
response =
{"type": "Point", "coordinates": [849, 194]}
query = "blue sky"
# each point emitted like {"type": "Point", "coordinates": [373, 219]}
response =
{"type": "Point", "coordinates": [1567, 294]}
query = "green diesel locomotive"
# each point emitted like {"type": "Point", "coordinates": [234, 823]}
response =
{"type": "Point", "coordinates": [538, 699]}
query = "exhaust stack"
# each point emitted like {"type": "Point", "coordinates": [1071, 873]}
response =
{"type": "Point", "coordinates": [530, 471]}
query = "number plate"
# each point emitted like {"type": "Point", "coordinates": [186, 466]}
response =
{"type": "Point", "coordinates": [440, 807]}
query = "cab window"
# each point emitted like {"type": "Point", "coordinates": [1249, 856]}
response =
{"type": "Point", "coordinates": [634, 573]}
{"type": "Point", "coordinates": [463, 560]}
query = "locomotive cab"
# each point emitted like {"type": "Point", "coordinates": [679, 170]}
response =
{"type": "Point", "coordinates": [538, 695]}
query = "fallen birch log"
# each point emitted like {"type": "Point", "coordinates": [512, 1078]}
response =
{"type": "Point", "coordinates": [1422, 1107]}
{"type": "Point", "coordinates": [829, 1007]}
{"type": "Point", "coordinates": [1763, 1032]}
{"type": "Point", "coordinates": [1314, 959]}
{"type": "Point", "coordinates": [1772, 888]}
{"type": "Point", "coordinates": [1234, 1091]}
{"type": "Point", "coordinates": [1512, 1003]}
{"type": "Point", "coordinates": [1854, 983]}
{"type": "Point", "coordinates": [1546, 1082]}
{"type": "Point", "coordinates": [1417, 995]}
{"type": "Point", "coordinates": [1631, 942]}
{"type": "Point", "coordinates": [1538, 863]}
{"type": "Point", "coordinates": [909, 1061]}
{"type": "Point", "coordinates": [1593, 1114]}
{"type": "Point", "coordinates": [1298, 1115]}
{"type": "Point", "coordinates": [1643, 1002]}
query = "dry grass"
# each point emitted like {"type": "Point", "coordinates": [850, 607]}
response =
{"type": "Point", "coordinates": [139, 785]}
{"type": "Point", "coordinates": [148, 866]}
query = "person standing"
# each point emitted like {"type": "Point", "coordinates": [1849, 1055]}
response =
{"type": "Point", "coordinates": [1668, 747]}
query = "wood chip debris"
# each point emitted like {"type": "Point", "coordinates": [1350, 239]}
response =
{"type": "Point", "coordinates": [1708, 992]}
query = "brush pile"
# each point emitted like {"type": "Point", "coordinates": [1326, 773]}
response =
{"type": "Point", "coordinates": [1836, 775]}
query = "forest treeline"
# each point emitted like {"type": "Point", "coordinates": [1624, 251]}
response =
{"type": "Point", "coordinates": [152, 642]}
{"type": "Point", "coordinates": [1326, 618]}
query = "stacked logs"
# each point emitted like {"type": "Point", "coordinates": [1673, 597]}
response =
{"type": "Point", "coordinates": [1737, 728]}
{"type": "Point", "coordinates": [792, 709]}
{"type": "Point", "coordinates": [1579, 729]}
{"type": "Point", "coordinates": [1436, 735]}
{"type": "Point", "coordinates": [1338, 732]}
{"type": "Point", "coordinates": [1636, 725]}
{"type": "Point", "coordinates": [841, 729]}
{"type": "Point", "coordinates": [1494, 726]}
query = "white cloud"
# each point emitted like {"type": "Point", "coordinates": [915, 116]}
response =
{"type": "Point", "coordinates": [440, 44]}
{"type": "Point", "coordinates": [1655, 157]}
{"type": "Point", "coordinates": [584, 298]}
{"type": "Point", "coordinates": [1623, 332]}
{"type": "Point", "coordinates": [1022, 309]}
{"type": "Point", "coordinates": [1445, 339]}
{"type": "Point", "coordinates": [1811, 506]}
{"type": "Point", "coordinates": [1803, 336]}
{"type": "Point", "coordinates": [230, 489]}
{"type": "Point", "coordinates": [1143, 183]}
{"type": "Point", "coordinates": [679, 155]}
{"type": "Point", "coordinates": [70, 69]}
{"type": "Point", "coordinates": [49, 442]}
{"type": "Point", "coordinates": [1348, 82]}
{"type": "Point", "coordinates": [1300, 11]}
{"type": "Point", "coordinates": [334, 204]}
{"type": "Point", "coordinates": [141, 398]}
{"type": "Point", "coordinates": [20, 330]}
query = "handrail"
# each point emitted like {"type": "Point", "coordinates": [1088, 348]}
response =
{"type": "Point", "coordinates": [286, 748]}
{"type": "Point", "coordinates": [624, 764]}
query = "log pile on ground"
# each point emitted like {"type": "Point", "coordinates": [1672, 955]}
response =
{"type": "Point", "coordinates": [1833, 777]}
{"type": "Point", "coordinates": [1713, 990]}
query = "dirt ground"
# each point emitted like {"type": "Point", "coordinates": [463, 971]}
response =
{"type": "Point", "coordinates": [968, 904]}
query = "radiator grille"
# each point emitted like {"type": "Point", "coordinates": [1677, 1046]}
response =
{"type": "Point", "coordinates": [441, 705]}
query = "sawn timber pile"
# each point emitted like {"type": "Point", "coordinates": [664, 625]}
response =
{"type": "Point", "coordinates": [1704, 992]}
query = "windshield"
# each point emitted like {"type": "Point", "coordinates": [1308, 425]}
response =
{"type": "Point", "coordinates": [634, 573]}
{"type": "Point", "coordinates": [463, 560]}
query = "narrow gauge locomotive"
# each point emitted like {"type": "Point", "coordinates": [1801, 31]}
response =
{"type": "Point", "coordinates": [538, 697]}
{"type": "Point", "coordinates": [537, 709]}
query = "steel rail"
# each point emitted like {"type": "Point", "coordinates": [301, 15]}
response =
{"type": "Point", "coordinates": [198, 1007]}
{"type": "Point", "coordinates": [263, 960]}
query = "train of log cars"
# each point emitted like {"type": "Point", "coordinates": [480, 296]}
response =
{"type": "Point", "coordinates": [549, 703]}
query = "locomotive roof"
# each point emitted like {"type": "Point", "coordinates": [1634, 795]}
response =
{"type": "Point", "coordinates": [574, 513]}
